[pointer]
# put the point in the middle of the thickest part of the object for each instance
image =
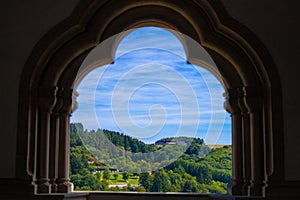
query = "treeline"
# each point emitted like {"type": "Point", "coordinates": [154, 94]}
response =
{"type": "Point", "coordinates": [199, 169]}
{"type": "Point", "coordinates": [113, 154]}
{"type": "Point", "coordinates": [128, 143]}
{"type": "Point", "coordinates": [182, 138]}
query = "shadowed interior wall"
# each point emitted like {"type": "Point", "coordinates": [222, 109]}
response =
{"type": "Point", "coordinates": [24, 23]}
{"type": "Point", "coordinates": [275, 23]}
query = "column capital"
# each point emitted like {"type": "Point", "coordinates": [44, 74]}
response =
{"type": "Point", "coordinates": [241, 101]}
{"type": "Point", "coordinates": [231, 101]}
{"type": "Point", "coordinates": [67, 96]}
{"type": "Point", "coordinates": [74, 100]}
{"type": "Point", "coordinates": [47, 98]}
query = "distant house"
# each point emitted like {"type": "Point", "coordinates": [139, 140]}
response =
{"type": "Point", "coordinates": [91, 162]}
{"type": "Point", "coordinates": [100, 170]}
{"type": "Point", "coordinates": [114, 170]}
{"type": "Point", "coordinates": [160, 143]}
{"type": "Point", "coordinates": [163, 143]}
{"type": "Point", "coordinates": [171, 143]}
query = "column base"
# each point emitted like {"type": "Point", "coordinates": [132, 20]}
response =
{"type": "Point", "coordinates": [53, 187]}
{"type": "Point", "coordinates": [65, 187]}
{"type": "Point", "coordinates": [235, 188]}
{"type": "Point", "coordinates": [43, 188]}
{"type": "Point", "coordinates": [257, 189]}
{"type": "Point", "coordinates": [246, 188]}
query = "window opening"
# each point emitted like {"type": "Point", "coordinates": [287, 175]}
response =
{"type": "Point", "coordinates": [150, 122]}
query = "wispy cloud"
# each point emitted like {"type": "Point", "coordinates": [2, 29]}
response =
{"type": "Point", "coordinates": [151, 92]}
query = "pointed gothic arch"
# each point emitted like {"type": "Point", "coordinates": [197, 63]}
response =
{"type": "Point", "coordinates": [252, 88]}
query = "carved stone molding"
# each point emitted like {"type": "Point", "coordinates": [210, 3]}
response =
{"type": "Point", "coordinates": [74, 101]}
{"type": "Point", "coordinates": [245, 106]}
{"type": "Point", "coordinates": [54, 141]}
{"type": "Point", "coordinates": [245, 142]}
{"type": "Point", "coordinates": [231, 101]}
{"type": "Point", "coordinates": [253, 101]}
{"type": "Point", "coordinates": [67, 97]}
{"type": "Point", "coordinates": [47, 100]}
{"type": "Point", "coordinates": [63, 182]}
{"type": "Point", "coordinates": [232, 106]}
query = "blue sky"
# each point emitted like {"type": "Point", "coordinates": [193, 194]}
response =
{"type": "Point", "coordinates": [151, 92]}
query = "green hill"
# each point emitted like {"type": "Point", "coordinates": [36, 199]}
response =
{"type": "Point", "coordinates": [197, 168]}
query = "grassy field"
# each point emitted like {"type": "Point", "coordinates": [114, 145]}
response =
{"type": "Point", "coordinates": [118, 180]}
{"type": "Point", "coordinates": [215, 146]}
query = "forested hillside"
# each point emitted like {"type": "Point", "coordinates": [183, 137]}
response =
{"type": "Point", "coordinates": [199, 169]}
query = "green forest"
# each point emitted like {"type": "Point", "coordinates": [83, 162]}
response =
{"type": "Point", "coordinates": [180, 164]}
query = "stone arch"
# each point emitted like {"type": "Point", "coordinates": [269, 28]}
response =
{"type": "Point", "coordinates": [251, 80]}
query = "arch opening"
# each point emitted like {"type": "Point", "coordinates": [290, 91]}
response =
{"type": "Point", "coordinates": [152, 94]}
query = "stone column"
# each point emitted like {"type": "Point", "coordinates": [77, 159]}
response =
{"type": "Point", "coordinates": [231, 105]}
{"type": "Point", "coordinates": [54, 142]}
{"type": "Point", "coordinates": [63, 182]}
{"type": "Point", "coordinates": [245, 143]}
{"type": "Point", "coordinates": [253, 101]}
{"type": "Point", "coordinates": [47, 100]}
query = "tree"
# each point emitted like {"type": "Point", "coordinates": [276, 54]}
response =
{"type": "Point", "coordinates": [75, 130]}
{"type": "Point", "coordinates": [116, 175]}
{"type": "Point", "coordinates": [176, 181]}
{"type": "Point", "coordinates": [180, 170]}
{"type": "Point", "coordinates": [175, 178]}
{"type": "Point", "coordinates": [78, 159]}
{"type": "Point", "coordinates": [161, 182]}
{"type": "Point", "coordinates": [204, 174]}
{"type": "Point", "coordinates": [146, 181]}
{"type": "Point", "coordinates": [140, 189]}
{"type": "Point", "coordinates": [106, 174]}
{"type": "Point", "coordinates": [190, 186]}
{"type": "Point", "coordinates": [76, 179]}
{"type": "Point", "coordinates": [217, 187]}
{"type": "Point", "coordinates": [88, 182]}
{"type": "Point", "coordinates": [126, 175]}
